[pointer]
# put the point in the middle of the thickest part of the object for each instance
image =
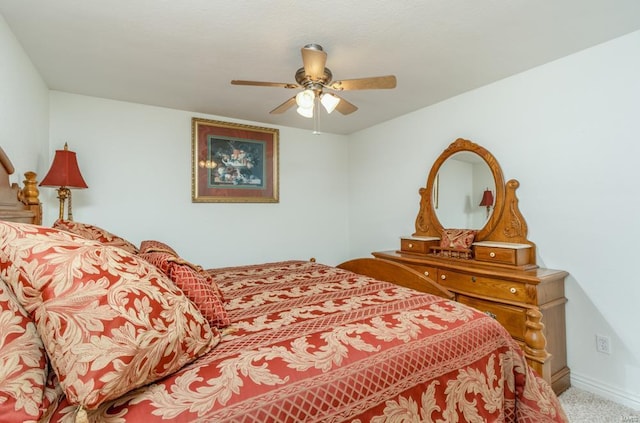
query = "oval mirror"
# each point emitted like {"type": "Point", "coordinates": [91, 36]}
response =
{"type": "Point", "coordinates": [455, 189]}
{"type": "Point", "coordinates": [459, 191]}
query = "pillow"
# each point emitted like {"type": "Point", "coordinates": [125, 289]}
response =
{"type": "Point", "coordinates": [197, 285]}
{"type": "Point", "coordinates": [23, 365]}
{"type": "Point", "coordinates": [95, 233]}
{"type": "Point", "coordinates": [459, 239]}
{"type": "Point", "coordinates": [110, 322]}
{"type": "Point", "coordinates": [204, 274]}
{"type": "Point", "coordinates": [152, 246]}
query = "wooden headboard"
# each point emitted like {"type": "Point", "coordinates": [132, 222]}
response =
{"type": "Point", "coordinates": [18, 204]}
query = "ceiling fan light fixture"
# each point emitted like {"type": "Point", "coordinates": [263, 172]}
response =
{"type": "Point", "coordinates": [305, 111]}
{"type": "Point", "coordinates": [313, 78]}
{"type": "Point", "coordinates": [329, 101]}
{"type": "Point", "coordinates": [304, 99]}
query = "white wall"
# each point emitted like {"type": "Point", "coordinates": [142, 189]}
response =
{"type": "Point", "coordinates": [136, 160]}
{"type": "Point", "coordinates": [568, 131]}
{"type": "Point", "coordinates": [24, 108]}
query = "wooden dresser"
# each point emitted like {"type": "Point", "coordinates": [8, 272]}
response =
{"type": "Point", "coordinates": [521, 300]}
{"type": "Point", "coordinates": [497, 274]}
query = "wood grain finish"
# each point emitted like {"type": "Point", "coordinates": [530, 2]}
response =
{"type": "Point", "coordinates": [399, 274]}
{"type": "Point", "coordinates": [475, 283]}
{"type": "Point", "coordinates": [511, 317]}
{"type": "Point", "coordinates": [513, 256]}
{"type": "Point", "coordinates": [415, 245]}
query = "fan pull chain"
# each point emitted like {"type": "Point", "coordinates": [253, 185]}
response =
{"type": "Point", "coordinates": [316, 116]}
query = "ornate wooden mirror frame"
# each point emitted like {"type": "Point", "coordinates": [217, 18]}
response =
{"type": "Point", "coordinates": [506, 223]}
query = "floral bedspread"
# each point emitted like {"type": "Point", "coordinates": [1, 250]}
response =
{"type": "Point", "coordinates": [310, 342]}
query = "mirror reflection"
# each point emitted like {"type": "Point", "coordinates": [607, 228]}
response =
{"type": "Point", "coordinates": [458, 191]}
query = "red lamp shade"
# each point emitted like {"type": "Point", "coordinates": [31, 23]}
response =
{"type": "Point", "coordinates": [64, 171]}
{"type": "Point", "coordinates": [487, 198]}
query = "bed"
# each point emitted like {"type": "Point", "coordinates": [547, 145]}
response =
{"type": "Point", "coordinates": [102, 330]}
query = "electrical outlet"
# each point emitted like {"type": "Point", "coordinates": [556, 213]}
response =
{"type": "Point", "coordinates": [603, 344]}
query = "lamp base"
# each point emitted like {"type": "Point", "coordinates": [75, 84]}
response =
{"type": "Point", "coordinates": [63, 194]}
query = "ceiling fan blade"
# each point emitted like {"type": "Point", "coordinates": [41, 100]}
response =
{"type": "Point", "coordinates": [314, 59]}
{"type": "Point", "coordinates": [373, 83]}
{"type": "Point", "coordinates": [345, 107]}
{"type": "Point", "coordinates": [265, 84]}
{"type": "Point", "coordinates": [284, 106]}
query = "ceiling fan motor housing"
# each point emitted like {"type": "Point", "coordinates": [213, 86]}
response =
{"type": "Point", "coordinates": [306, 81]}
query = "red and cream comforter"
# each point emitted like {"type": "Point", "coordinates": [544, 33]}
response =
{"type": "Point", "coordinates": [309, 342]}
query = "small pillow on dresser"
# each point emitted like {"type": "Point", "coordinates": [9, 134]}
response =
{"type": "Point", "coordinates": [110, 322]}
{"type": "Point", "coordinates": [95, 233]}
{"type": "Point", "coordinates": [197, 285]}
{"type": "Point", "coordinates": [458, 239]}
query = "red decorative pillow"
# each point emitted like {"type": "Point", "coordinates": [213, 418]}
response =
{"type": "Point", "coordinates": [152, 246]}
{"type": "Point", "coordinates": [204, 274]}
{"type": "Point", "coordinates": [160, 259]}
{"type": "Point", "coordinates": [109, 321]}
{"type": "Point", "coordinates": [95, 233]}
{"type": "Point", "coordinates": [202, 292]}
{"type": "Point", "coordinates": [459, 239]}
{"type": "Point", "coordinates": [197, 285]}
{"type": "Point", "coordinates": [23, 364]}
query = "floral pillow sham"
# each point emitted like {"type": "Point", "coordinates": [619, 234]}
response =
{"type": "Point", "coordinates": [95, 233]}
{"type": "Point", "coordinates": [23, 364]}
{"type": "Point", "coordinates": [109, 321]}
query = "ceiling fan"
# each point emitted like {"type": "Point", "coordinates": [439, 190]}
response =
{"type": "Point", "coordinates": [314, 78]}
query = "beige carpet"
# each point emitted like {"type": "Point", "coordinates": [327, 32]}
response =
{"type": "Point", "coordinates": [584, 407]}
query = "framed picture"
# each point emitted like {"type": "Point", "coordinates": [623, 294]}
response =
{"type": "Point", "coordinates": [233, 163]}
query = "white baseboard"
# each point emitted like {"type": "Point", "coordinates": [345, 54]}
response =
{"type": "Point", "coordinates": [604, 390]}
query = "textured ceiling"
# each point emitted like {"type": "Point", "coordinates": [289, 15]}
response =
{"type": "Point", "coordinates": [183, 54]}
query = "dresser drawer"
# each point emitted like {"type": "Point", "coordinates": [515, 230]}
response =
{"type": "Point", "coordinates": [516, 254]}
{"type": "Point", "coordinates": [417, 245]}
{"type": "Point", "coordinates": [487, 287]}
{"type": "Point", "coordinates": [430, 272]}
{"type": "Point", "coordinates": [512, 318]}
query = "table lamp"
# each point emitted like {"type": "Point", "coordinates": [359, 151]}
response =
{"type": "Point", "coordinates": [64, 174]}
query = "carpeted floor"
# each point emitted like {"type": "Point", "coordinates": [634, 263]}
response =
{"type": "Point", "coordinates": [585, 407]}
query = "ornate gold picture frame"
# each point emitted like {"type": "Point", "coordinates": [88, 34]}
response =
{"type": "Point", "coordinates": [233, 163]}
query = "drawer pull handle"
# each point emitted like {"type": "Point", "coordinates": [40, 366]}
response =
{"type": "Point", "coordinates": [473, 278]}
{"type": "Point", "coordinates": [490, 314]}
{"type": "Point", "coordinates": [513, 290]}
{"type": "Point", "coordinates": [443, 277]}
{"type": "Point", "coordinates": [492, 254]}
{"type": "Point", "coordinates": [426, 273]}
{"type": "Point", "coordinates": [410, 245]}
